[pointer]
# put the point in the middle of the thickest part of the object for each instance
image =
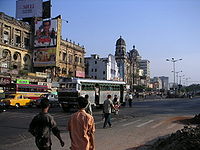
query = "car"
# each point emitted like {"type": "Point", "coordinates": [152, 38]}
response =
{"type": "Point", "coordinates": [2, 107]}
{"type": "Point", "coordinates": [17, 100]}
{"type": "Point", "coordinates": [53, 99]}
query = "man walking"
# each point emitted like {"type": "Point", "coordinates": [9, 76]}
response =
{"type": "Point", "coordinates": [88, 108]}
{"type": "Point", "coordinates": [81, 128]}
{"type": "Point", "coordinates": [107, 107]}
{"type": "Point", "coordinates": [42, 125]}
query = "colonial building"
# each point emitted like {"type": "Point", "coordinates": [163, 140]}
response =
{"type": "Point", "coordinates": [15, 45]}
{"type": "Point", "coordinates": [101, 68]}
{"type": "Point", "coordinates": [121, 59]}
{"type": "Point", "coordinates": [38, 47]}
{"type": "Point", "coordinates": [71, 58]}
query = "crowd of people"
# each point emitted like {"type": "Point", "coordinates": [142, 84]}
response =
{"type": "Point", "coordinates": [81, 124]}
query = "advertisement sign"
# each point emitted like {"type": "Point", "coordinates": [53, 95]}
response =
{"type": "Point", "coordinates": [29, 8]}
{"type": "Point", "coordinates": [5, 80]}
{"type": "Point", "coordinates": [80, 74]}
{"type": "Point", "coordinates": [45, 33]}
{"type": "Point", "coordinates": [44, 57]}
{"type": "Point", "coordinates": [22, 81]}
{"type": "Point", "coordinates": [41, 74]}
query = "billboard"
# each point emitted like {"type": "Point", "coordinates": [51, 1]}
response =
{"type": "Point", "coordinates": [44, 57]}
{"type": "Point", "coordinates": [29, 8]}
{"type": "Point", "coordinates": [45, 33]}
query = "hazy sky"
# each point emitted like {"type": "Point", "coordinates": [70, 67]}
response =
{"type": "Point", "coordinates": [160, 29]}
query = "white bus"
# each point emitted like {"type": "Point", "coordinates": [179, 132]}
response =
{"type": "Point", "coordinates": [97, 90]}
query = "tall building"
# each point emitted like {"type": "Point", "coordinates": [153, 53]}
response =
{"type": "Point", "coordinates": [145, 65]}
{"type": "Point", "coordinates": [165, 82]}
{"type": "Point", "coordinates": [134, 69]}
{"type": "Point", "coordinates": [121, 58]}
{"type": "Point", "coordinates": [15, 46]}
{"type": "Point", "coordinates": [101, 68]}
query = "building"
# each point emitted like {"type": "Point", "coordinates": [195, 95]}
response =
{"type": "Point", "coordinates": [121, 59]}
{"type": "Point", "coordinates": [40, 52]}
{"type": "Point", "coordinates": [15, 46]}
{"type": "Point", "coordinates": [165, 82]}
{"type": "Point", "coordinates": [145, 65]}
{"type": "Point", "coordinates": [101, 68]}
{"type": "Point", "coordinates": [71, 59]}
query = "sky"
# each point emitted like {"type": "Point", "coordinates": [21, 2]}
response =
{"type": "Point", "coordinates": [160, 30]}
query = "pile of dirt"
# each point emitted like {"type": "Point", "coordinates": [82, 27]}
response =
{"type": "Point", "coordinates": [187, 138]}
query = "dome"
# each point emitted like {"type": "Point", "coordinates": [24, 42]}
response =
{"type": "Point", "coordinates": [120, 41]}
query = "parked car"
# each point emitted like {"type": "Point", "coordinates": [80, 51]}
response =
{"type": "Point", "coordinates": [53, 99]}
{"type": "Point", "coordinates": [17, 100]}
{"type": "Point", "coordinates": [2, 107]}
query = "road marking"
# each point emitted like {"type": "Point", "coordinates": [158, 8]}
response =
{"type": "Point", "coordinates": [171, 126]}
{"type": "Point", "coordinates": [122, 120]}
{"type": "Point", "coordinates": [131, 123]}
{"type": "Point", "coordinates": [158, 124]}
{"type": "Point", "coordinates": [144, 123]}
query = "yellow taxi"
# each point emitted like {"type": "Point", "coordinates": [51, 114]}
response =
{"type": "Point", "coordinates": [17, 100]}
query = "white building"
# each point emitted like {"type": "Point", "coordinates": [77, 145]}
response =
{"type": "Point", "coordinates": [101, 68]}
{"type": "Point", "coordinates": [145, 65]}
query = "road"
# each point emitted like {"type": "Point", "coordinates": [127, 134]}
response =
{"type": "Point", "coordinates": [135, 126]}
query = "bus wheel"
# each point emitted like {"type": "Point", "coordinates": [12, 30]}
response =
{"type": "Point", "coordinates": [31, 105]}
{"type": "Point", "coordinates": [17, 105]}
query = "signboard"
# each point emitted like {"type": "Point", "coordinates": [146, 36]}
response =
{"type": "Point", "coordinates": [80, 74]}
{"type": "Point", "coordinates": [4, 80]}
{"type": "Point", "coordinates": [29, 8]}
{"type": "Point", "coordinates": [45, 33]}
{"type": "Point", "coordinates": [44, 57]}
{"type": "Point", "coordinates": [41, 74]}
{"type": "Point", "coordinates": [22, 81]}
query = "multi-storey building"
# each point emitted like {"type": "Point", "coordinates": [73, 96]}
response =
{"type": "Point", "coordinates": [28, 47]}
{"type": "Point", "coordinates": [101, 68]}
{"type": "Point", "coordinates": [71, 58]}
{"type": "Point", "coordinates": [15, 45]}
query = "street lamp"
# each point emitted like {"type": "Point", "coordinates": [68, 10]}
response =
{"type": "Point", "coordinates": [174, 70]}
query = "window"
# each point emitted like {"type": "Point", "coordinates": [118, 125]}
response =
{"type": "Point", "coordinates": [17, 40]}
{"type": "Point", "coordinates": [5, 37]}
{"type": "Point", "coordinates": [92, 70]}
{"type": "Point", "coordinates": [27, 42]}
{"type": "Point", "coordinates": [95, 62]}
{"type": "Point", "coordinates": [64, 56]}
{"type": "Point", "coordinates": [104, 72]}
{"type": "Point", "coordinates": [95, 70]}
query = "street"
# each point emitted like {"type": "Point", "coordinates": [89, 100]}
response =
{"type": "Point", "coordinates": [139, 125]}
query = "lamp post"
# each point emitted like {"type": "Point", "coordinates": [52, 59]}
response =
{"type": "Point", "coordinates": [173, 60]}
{"type": "Point", "coordinates": [177, 75]}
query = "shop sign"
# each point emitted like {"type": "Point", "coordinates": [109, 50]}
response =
{"type": "Point", "coordinates": [22, 81]}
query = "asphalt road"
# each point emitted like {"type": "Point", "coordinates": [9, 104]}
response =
{"type": "Point", "coordinates": [141, 124]}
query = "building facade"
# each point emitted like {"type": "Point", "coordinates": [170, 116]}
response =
{"type": "Point", "coordinates": [15, 45]}
{"type": "Point", "coordinates": [101, 68]}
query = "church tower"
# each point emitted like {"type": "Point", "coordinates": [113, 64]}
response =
{"type": "Point", "coordinates": [121, 58]}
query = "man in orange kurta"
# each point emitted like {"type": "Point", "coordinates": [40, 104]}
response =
{"type": "Point", "coordinates": [81, 128]}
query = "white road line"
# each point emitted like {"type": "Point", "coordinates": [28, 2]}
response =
{"type": "Point", "coordinates": [144, 123]}
{"type": "Point", "coordinates": [171, 126]}
{"type": "Point", "coordinates": [158, 124]}
{"type": "Point", "coordinates": [131, 123]}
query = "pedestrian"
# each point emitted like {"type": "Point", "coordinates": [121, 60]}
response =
{"type": "Point", "coordinates": [88, 108]}
{"type": "Point", "coordinates": [116, 104]}
{"type": "Point", "coordinates": [42, 125]}
{"type": "Point", "coordinates": [107, 108]}
{"type": "Point", "coordinates": [130, 99]}
{"type": "Point", "coordinates": [81, 128]}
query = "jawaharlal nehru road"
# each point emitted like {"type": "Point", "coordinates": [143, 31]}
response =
{"type": "Point", "coordinates": [141, 124]}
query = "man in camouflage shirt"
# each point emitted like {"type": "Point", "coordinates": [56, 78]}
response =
{"type": "Point", "coordinates": [41, 127]}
